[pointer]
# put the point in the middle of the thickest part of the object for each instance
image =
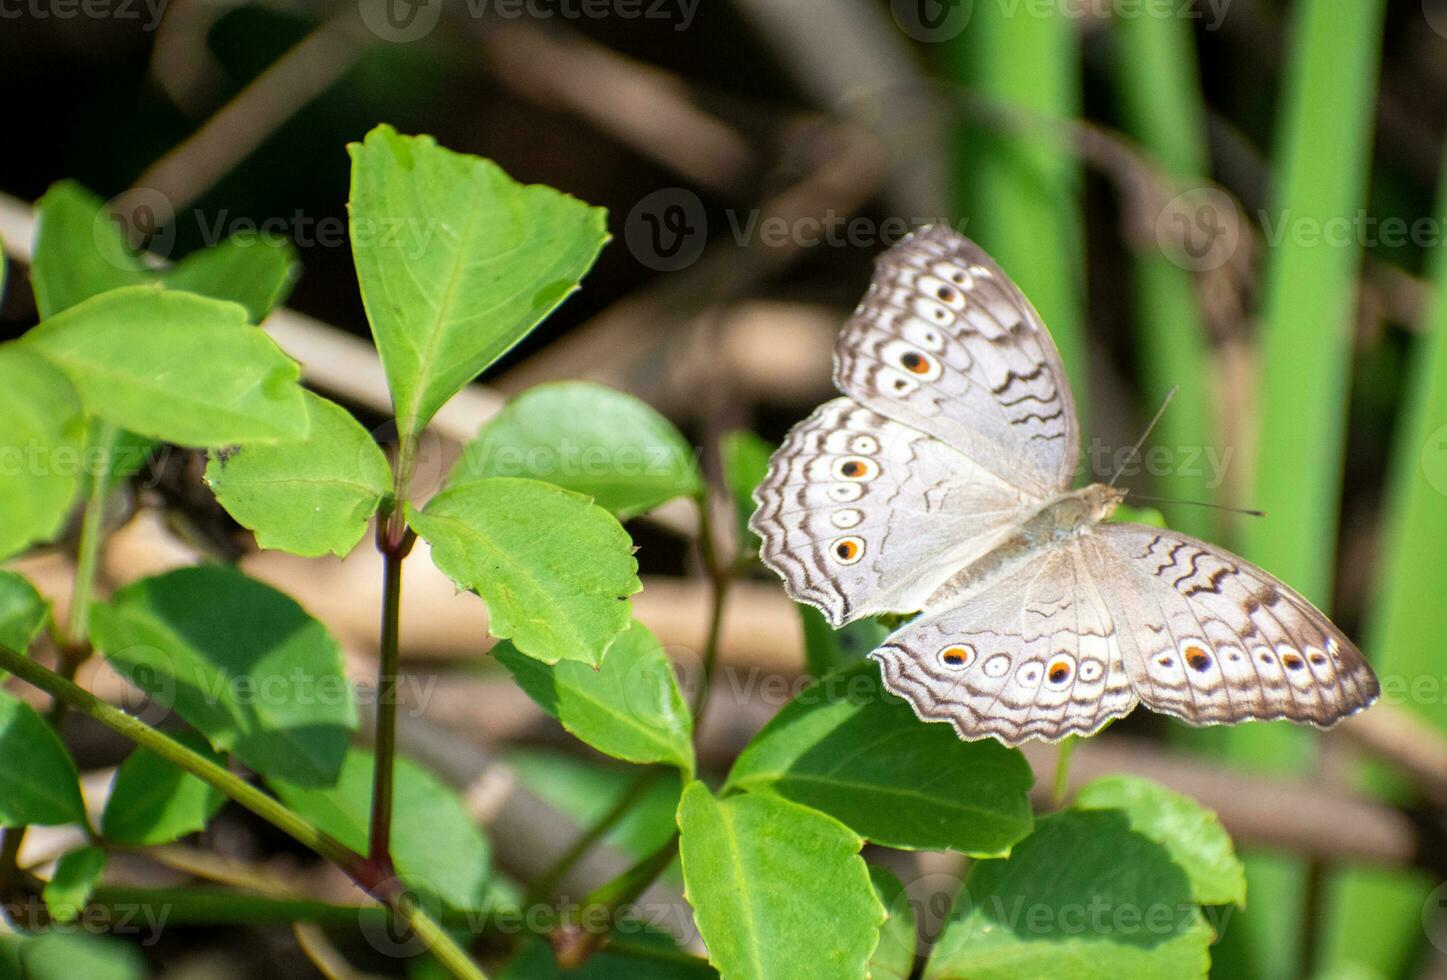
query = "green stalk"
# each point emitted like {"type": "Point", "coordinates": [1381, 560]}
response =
{"type": "Point", "coordinates": [1305, 350]}
{"type": "Point", "coordinates": [273, 812]}
{"type": "Point", "coordinates": [1373, 923]}
{"type": "Point", "coordinates": [253, 799]}
{"type": "Point", "coordinates": [1161, 106]}
{"type": "Point", "coordinates": [394, 541]}
{"type": "Point", "coordinates": [92, 534]}
{"type": "Point", "coordinates": [546, 883]}
{"type": "Point", "coordinates": [1019, 185]}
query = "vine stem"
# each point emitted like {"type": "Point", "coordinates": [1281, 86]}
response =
{"type": "Point", "coordinates": [720, 576]}
{"type": "Point", "coordinates": [394, 541]}
{"type": "Point", "coordinates": [574, 945]}
{"type": "Point", "coordinates": [77, 629]}
{"type": "Point", "coordinates": [1062, 769]}
{"type": "Point", "coordinates": [545, 883]}
{"type": "Point", "coordinates": [371, 879]}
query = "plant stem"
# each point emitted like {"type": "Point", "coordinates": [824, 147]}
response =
{"type": "Point", "coordinates": [172, 751]}
{"type": "Point", "coordinates": [720, 576]}
{"type": "Point", "coordinates": [75, 645]}
{"type": "Point", "coordinates": [373, 880]}
{"type": "Point", "coordinates": [546, 883]}
{"type": "Point", "coordinates": [573, 943]}
{"type": "Point", "coordinates": [77, 628]}
{"type": "Point", "coordinates": [1062, 769]}
{"type": "Point", "coordinates": [393, 554]}
{"type": "Point", "coordinates": [442, 946]}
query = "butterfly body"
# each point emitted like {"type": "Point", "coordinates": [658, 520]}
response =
{"type": "Point", "coordinates": [941, 484]}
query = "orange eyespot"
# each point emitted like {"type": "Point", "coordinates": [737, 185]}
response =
{"type": "Point", "coordinates": [915, 361]}
{"type": "Point", "coordinates": [856, 468]}
{"type": "Point", "coordinates": [848, 550]}
{"type": "Point", "coordinates": [1293, 662]}
{"type": "Point", "coordinates": [1059, 671]}
{"type": "Point", "coordinates": [1199, 659]}
{"type": "Point", "coordinates": [957, 657]}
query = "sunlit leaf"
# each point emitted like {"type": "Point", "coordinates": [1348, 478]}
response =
{"type": "Point", "coordinates": [588, 438]}
{"type": "Point", "coordinates": [456, 262]}
{"type": "Point", "coordinates": [630, 707]}
{"type": "Point", "coordinates": [778, 890]}
{"type": "Point", "coordinates": [175, 366]}
{"type": "Point", "coordinates": [555, 569]}
{"type": "Point", "coordinates": [308, 497]}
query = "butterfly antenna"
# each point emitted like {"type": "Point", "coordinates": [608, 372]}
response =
{"type": "Point", "coordinates": [1145, 435]}
{"type": "Point", "coordinates": [1249, 512]}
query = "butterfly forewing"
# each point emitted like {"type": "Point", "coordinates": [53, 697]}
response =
{"type": "Point", "coordinates": [861, 515]}
{"type": "Point", "coordinates": [945, 343]}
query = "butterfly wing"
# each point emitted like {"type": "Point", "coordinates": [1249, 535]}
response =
{"type": "Point", "coordinates": [1212, 639]}
{"type": "Point", "coordinates": [1033, 653]}
{"type": "Point", "coordinates": [944, 342]}
{"type": "Point", "coordinates": [861, 515]}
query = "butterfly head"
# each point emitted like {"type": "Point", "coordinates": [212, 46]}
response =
{"type": "Point", "coordinates": [1101, 501]}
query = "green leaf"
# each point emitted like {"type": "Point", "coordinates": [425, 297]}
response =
{"type": "Point", "coordinates": [76, 875]}
{"type": "Point", "coordinates": [893, 958]}
{"type": "Point", "coordinates": [555, 570]}
{"type": "Point", "coordinates": [258, 273]}
{"type": "Point", "coordinates": [38, 782]}
{"type": "Point", "coordinates": [629, 708]}
{"type": "Point", "coordinates": [745, 458]}
{"type": "Point", "coordinates": [436, 846]}
{"type": "Point", "coordinates": [456, 261]}
{"type": "Point", "coordinates": [1083, 897]}
{"type": "Point", "coordinates": [1194, 836]}
{"type": "Point", "coordinates": [240, 662]}
{"type": "Point", "coordinates": [40, 440]}
{"type": "Point", "coordinates": [80, 251]}
{"type": "Point", "coordinates": [59, 955]}
{"type": "Point", "coordinates": [307, 497]}
{"type": "Point", "coordinates": [827, 650]}
{"type": "Point", "coordinates": [778, 890]}
{"type": "Point", "coordinates": [22, 612]}
{"type": "Point", "coordinates": [153, 801]}
{"type": "Point", "coordinates": [585, 437]}
{"type": "Point", "coordinates": [848, 747]}
{"type": "Point", "coordinates": [175, 366]}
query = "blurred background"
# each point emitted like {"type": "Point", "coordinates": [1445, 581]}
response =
{"type": "Point", "coordinates": [1240, 197]}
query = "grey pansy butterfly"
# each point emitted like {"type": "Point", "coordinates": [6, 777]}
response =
{"type": "Point", "coordinates": [941, 483]}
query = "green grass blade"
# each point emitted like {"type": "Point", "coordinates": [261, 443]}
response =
{"type": "Point", "coordinates": [1020, 188]}
{"type": "Point", "coordinates": [1160, 100]}
{"type": "Point", "coordinates": [1374, 922]}
{"type": "Point", "coordinates": [1324, 139]}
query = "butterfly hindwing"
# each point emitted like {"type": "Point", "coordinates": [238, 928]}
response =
{"type": "Point", "coordinates": [861, 515]}
{"type": "Point", "coordinates": [1034, 653]}
{"type": "Point", "coordinates": [944, 342]}
{"type": "Point", "coordinates": [1213, 639]}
